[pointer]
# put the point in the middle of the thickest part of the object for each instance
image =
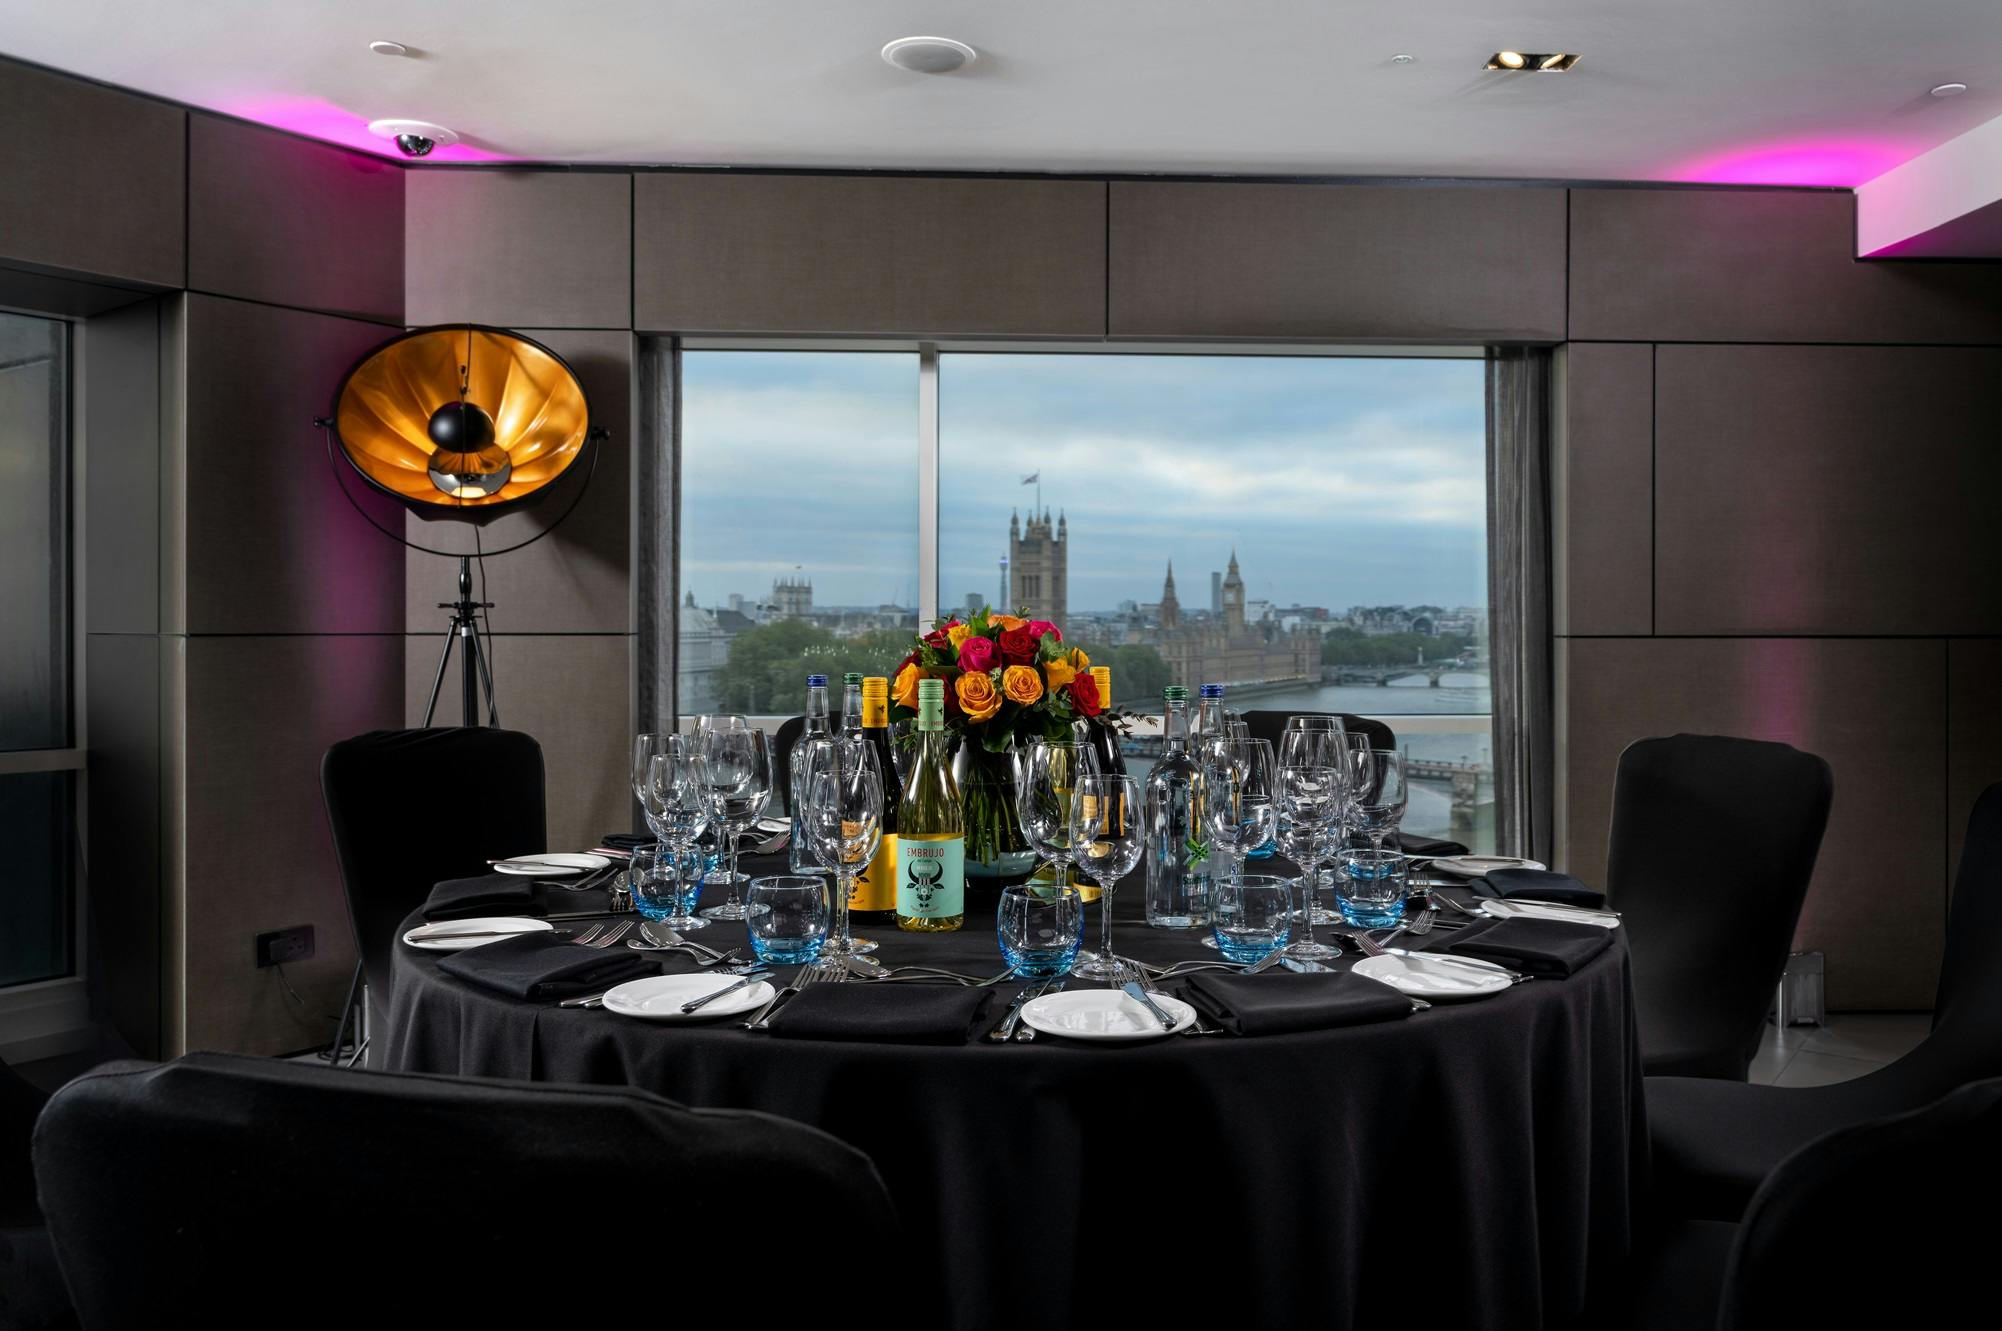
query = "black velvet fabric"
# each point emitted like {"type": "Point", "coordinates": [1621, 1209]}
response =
{"type": "Point", "coordinates": [1294, 1169]}
{"type": "Point", "coordinates": [20, 1105]}
{"type": "Point", "coordinates": [1268, 724]}
{"type": "Point", "coordinates": [922, 1014]}
{"type": "Point", "coordinates": [1713, 842]}
{"type": "Point", "coordinates": [483, 894]}
{"type": "Point", "coordinates": [1282, 1003]}
{"type": "Point", "coordinates": [1548, 948]}
{"type": "Point", "coordinates": [411, 808]}
{"type": "Point", "coordinates": [229, 1191]}
{"type": "Point", "coordinates": [32, 1297]}
{"type": "Point", "coordinates": [1715, 1141]}
{"type": "Point", "coordinates": [783, 743]}
{"type": "Point", "coordinates": [1541, 885]}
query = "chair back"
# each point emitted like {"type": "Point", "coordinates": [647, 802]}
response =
{"type": "Point", "coordinates": [1713, 844]}
{"type": "Point", "coordinates": [1887, 1210]}
{"type": "Point", "coordinates": [1970, 977]}
{"type": "Point", "coordinates": [783, 743]}
{"type": "Point", "coordinates": [411, 808]}
{"type": "Point", "coordinates": [20, 1103]}
{"type": "Point", "coordinates": [1270, 725]}
{"type": "Point", "coordinates": [218, 1179]}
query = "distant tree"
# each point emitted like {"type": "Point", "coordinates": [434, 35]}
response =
{"type": "Point", "coordinates": [769, 664]}
{"type": "Point", "coordinates": [1138, 672]}
{"type": "Point", "coordinates": [1351, 647]}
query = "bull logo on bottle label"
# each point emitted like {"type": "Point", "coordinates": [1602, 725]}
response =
{"type": "Point", "coordinates": [925, 876]}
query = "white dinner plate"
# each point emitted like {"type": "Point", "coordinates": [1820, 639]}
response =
{"type": "Point", "coordinates": [441, 935]}
{"type": "Point", "coordinates": [1438, 978]}
{"type": "Point", "coordinates": [1473, 866]}
{"type": "Point", "coordinates": [773, 826]}
{"type": "Point", "coordinates": [550, 866]}
{"type": "Point", "coordinates": [1104, 1014]}
{"type": "Point", "coordinates": [1548, 910]}
{"type": "Point", "coordinates": [659, 997]}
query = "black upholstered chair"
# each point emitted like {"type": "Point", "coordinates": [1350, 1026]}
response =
{"type": "Point", "coordinates": [411, 808]}
{"type": "Point", "coordinates": [1713, 844]}
{"type": "Point", "coordinates": [219, 1182]}
{"type": "Point", "coordinates": [1714, 1142]}
{"type": "Point", "coordinates": [783, 743]}
{"type": "Point", "coordinates": [1269, 725]}
{"type": "Point", "coordinates": [32, 1297]}
{"type": "Point", "coordinates": [1844, 1231]}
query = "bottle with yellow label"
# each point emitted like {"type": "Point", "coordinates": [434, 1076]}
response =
{"type": "Point", "coordinates": [1109, 761]}
{"type": "Point", "coordinates": [873, 898]}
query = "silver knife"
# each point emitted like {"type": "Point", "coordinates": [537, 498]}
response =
{"type": "Point", "coordinates": [695, 1004]}
{"type": "Point", "coordinates": [1007, 1027]}
{"type": "Point", "coordinates": [1303, 967]}
{"type": "Point", "coordinates": [1133, 989]}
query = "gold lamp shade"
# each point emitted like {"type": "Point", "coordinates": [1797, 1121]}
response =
{"type": "Point", "coordinates": [462, 421]}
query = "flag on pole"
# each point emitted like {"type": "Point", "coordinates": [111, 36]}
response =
{"type": "Point", "coordinates": [1032, 480]}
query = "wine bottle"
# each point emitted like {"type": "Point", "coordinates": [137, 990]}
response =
{"type": "Point", "coordinates": [931, 831]}
{"type": "Point", "coordinates": [873, 899]}
{"type": "Point", "coordinates": [1103, 738]}
{"type": "Point", "coordinates": [1178, 880]}
{"type": "Point", "coordinates": [800, 857]}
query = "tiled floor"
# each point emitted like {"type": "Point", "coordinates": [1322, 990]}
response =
{"type": "Point", "coordinates": [1851, 1044]}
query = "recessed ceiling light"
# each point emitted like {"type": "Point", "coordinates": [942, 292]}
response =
{"type": "Point", "coordinates": [1949, 90]}
{"type": "Point", "coordinates": [929, 55]}
{"type": "Point", "coordinates": [389, 48]}
{"type": "Point", "coordinates": [1533, 62]}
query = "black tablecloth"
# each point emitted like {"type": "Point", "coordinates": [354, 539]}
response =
{"type": "Point", "coordinates": [1476, 1163]}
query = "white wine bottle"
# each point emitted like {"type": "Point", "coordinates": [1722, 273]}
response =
{"type": "Point", "coordinates": [873, 899]}
{"type": "Point", "coordinates": [931, 831]}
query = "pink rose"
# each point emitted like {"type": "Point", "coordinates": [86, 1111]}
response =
{"type": "Point", "coordinates": [976, 655]}
{"type": "Point", "coordinates": [1038, 627]}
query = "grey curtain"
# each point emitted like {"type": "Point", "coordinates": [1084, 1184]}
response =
{"type": "Point", "coordinates": [656, 572]}
{"type": "Point", "coordinates": [1519, 597]}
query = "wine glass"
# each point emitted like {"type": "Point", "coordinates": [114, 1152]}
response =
{"type": "Point", "coordinates": [1110, 836]}
{"type": "Point", "coordinates": [645, 746]}
{"type": "Point", "coordinates": [841, 812]}
{"type": "Point", "coordinates": [1377, 793]}
{"type": "Point", "coordinates": [1310, 814]}
{"type": "Point", "coordinates": [1045, 784]}
{"type": "Point", "coordinates": [738, 771]}
{"type": "Point", "coordinates": [1318, 746]}
{"type": "Point", "coordinates": [1239, 792]}
{"type": "Point", "coordinates": [675, 795]}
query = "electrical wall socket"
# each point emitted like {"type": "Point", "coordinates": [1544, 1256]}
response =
{"type": "Point", "coordinates": [282, 945]}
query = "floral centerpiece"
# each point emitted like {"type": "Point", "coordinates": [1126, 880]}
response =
{"type": "Point", "coordinates": [1008, 681]}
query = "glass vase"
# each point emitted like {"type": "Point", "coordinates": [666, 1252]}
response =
{"type": "Point", "coordinates": [995, 850]}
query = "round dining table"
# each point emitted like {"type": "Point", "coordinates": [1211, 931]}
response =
{"type": "Point", "coordinates": [1473, 1165]}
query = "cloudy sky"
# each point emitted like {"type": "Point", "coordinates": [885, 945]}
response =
{"type": "Point", "coordinates": [1340, 481]}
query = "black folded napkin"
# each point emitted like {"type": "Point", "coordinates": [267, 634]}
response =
{"type": "Point", "coordinates": [1427, 847]}
{"type": "Point", "coordinates": [1274, 1004]}
{"type": "Point", "coordinates": [626, 841]}
{"type": "Point", "coordinates": [912, 1013]}
{"type": "Point", "coordinates": [1552, 948]}
{"type": "Point", "coordinates": [1543, 885]}
{"type": "Point", "coordinates": [482, 894]}
{"type": "Point", "coordinates": [547, 965]}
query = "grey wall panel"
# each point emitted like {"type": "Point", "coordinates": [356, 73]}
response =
{"type": "Point", "coordinates": [1757, 266]}
{"type": "Point", "coordinates": [272, 547]}
{"type": "Point", "coordinates": [1973, 734]}
{"type": "Point", "coordinates": [1876, 710]}
{"type": "Point", "coordinates": [277, 218]}
{"type": "Point", "coordinates": [574, 694]}
{"type": "Point", "coordinates": [124, 935]}
{"type": "Point", "coordinates": [120, 426]}
{"type": "Point", "coordinates": [1602, 501]}
{"type": "Point", "coordinates": [579, 578]}
{"type": "Point", "coordinates": [1336, 261]}
{"type": "Point", "coordinates": [520, 249]}
{"type": "Point", "coordinates": [1828, 490]}
{"type": "Point", "coordinates": [863, 254]}
{"type": "Point", "coordinates": [92, 180]}
{"type": "Point", "coordinates": [260, 712]}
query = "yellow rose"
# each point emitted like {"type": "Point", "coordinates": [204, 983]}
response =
{"type": "Point", "coordinates": [1006, 622]}
{"type": "Point", "coordinates": [1022, 684]}
{"type": "Point", "coordinates": [906, 689]}
{"type": "Point", "coordinates": [977, 697]}
{"type": "Point", "coordinates": [1067, 667]}
{"type": "Point", "coordinates": [956, 635]}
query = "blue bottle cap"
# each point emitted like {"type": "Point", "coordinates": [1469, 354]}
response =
{"type": "Point", "coordinates": [1212, 691]}
{"type": "Point", "coordinates": [816, 681]}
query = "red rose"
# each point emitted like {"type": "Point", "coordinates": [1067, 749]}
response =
{"type": "Point", "coordinates": [1038, 627]}
{"type": "Point", "coordinates": [1018, 646]}
{"type": "Point", "coordinates": [1084, 695]}
{"type": "Point", "coordinates": [936, 638]}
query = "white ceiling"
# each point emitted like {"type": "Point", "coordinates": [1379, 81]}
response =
{"type": "Point", "coordinates": [1784, 91]}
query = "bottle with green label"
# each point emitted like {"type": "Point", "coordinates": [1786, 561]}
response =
{"type": "Point", "coordinates": [931, 833]}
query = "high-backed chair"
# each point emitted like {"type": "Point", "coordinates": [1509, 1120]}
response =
{"type": "Point", "coordinates": [411, 808]}
{"type": "Point", "coordinates": [1269, 725]}
{"type": "Point", "coordinates": [1843, 1231]}
{"type": "Point", "coordinates": [1713, 844]}
{"type": "Point", "coordinates": [783, 743]}
{"type": "Point", "coordinates": [32, 1297]}
{"type": "Point", "coordinates": [1714, 1142]}
{"type": "Point", "coordinates": [221, 1180]}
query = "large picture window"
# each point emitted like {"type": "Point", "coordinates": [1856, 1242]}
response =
{"type": "Point", "coordinates": [1309, 530]}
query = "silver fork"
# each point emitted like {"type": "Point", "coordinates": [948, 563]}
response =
{"type": "Point", "coordinates": [1024, 1032]}
{"type": "Point", "coordinates": [810, 975]}
{"type": "Point", "coordinates": [610, 936]}
{"type": "Point", "coordinates": [586, 935]}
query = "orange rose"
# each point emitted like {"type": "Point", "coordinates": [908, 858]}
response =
{"type": "Point", "coordinates": [1063, 669]}
{"type": "Point", "coordinates": [1021, 684]}
{"type": "Point", "coordinates": [977, 696]}
{"type": "Point", "coordinates": [1006, 622]}
{"type": "Point", "coordinates": [906, 689]}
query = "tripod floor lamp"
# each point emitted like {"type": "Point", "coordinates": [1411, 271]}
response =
{"type": "Point", "coordinates": [462, 423]}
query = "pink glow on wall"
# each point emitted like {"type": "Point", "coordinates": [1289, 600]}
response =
{"type": "Point", "coordinates": [1847, 161]}
{"type": "Point", "coordinates": [323, 120]}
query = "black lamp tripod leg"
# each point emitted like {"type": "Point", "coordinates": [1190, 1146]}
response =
{"type": "Point", "coordinates": [438, 680]}
{"type": "Point", "coordinates": [474, 677]}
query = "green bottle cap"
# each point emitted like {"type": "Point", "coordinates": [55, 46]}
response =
{"type": "Point", "coordinates": [931, 704]}
{"type": "Point", "coordinates": [852, 677]}
{"type": "Point", "coordinates": [1175, 693]}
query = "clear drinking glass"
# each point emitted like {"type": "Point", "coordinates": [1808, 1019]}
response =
{"type": "Point", "coordinates": [739, 771]}
{"type": "Point", "coordinates": [665, 885]}
{"type": "Point", "coordinates": [786, 918]}
{"type": "Point", "coordinates": [1240, 792]}
{"type": "Point", "coordinates": [1039, 926]}
{"type": "Point", "coordinates": [675, 796]}
{"type": "Point", "coordinates": [645, 746]}
{"type": "Point", "coordinates": [1317, 741]}
{"type": "Point", "coordinates": [1310, 815]}
{"type": "Point", "coordinates": [842, 816]}
{"type": "Point", "coordinates": [1110, 840]}
{"type": "Point", "coordinates": [1370, 886]}
{"type": "Point", "coordinates": [1253, 917]}
{"type": "Point", "coordinates": [1046, 781]}
{"type": "Point", "coordinates": [1377, 793]}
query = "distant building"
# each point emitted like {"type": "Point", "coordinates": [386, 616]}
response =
{"type": "Point", "coordinates": [1038, 577]}
{"type": "Point", "coordinates": [792, 598]}
{"type": "Point", "coordinates": [973, 603]}
{"type": "Point", "coordinates": [703, 650]}
{"type": "Point", "coordinates": [1216, 593]}
{"type": "Point", "coordinates": [1226, 648]}
{"type": "Point", "coordinates": [1001, 597]}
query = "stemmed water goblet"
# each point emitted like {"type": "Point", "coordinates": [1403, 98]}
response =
{"type": "Point", "coordinates": [675, 797]}
{"type": "Point", "coordinates": [1377, 793]}
{"type": "Point", "coordinates": [1110, 836]}
{"type": "Point", "coordinates": [841, 813]}
{"type": "Point", "coordinates": [1310, 817]}
{"type": "Point", "coordinates": [1321, 742]}
{"type": "Point", "coordinates": [1240, 811]}
{"type": "Point", "coordinates": [738, 770]}
{"type": "Point", "coordinates": [1046, 784]}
